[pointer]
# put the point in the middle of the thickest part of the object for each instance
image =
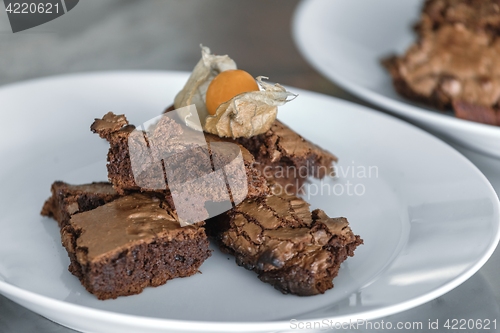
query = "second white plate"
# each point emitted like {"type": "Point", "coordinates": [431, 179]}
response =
{"type": "Point", "coordinates": [428, 217]}
{"type": "Point", "coordinates": [346, 39]}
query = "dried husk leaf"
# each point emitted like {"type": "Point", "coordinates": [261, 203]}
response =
{"type": "Point", "coordinates": [194, 92]}
{"type": "Point", "coordinates": [249, 113]}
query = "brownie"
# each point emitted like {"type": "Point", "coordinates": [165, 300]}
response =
{"type": "Point", "coordinates": [295, 250]}
{"type": "Point", "coordinates": [452, 67]}
{"type": "Point", "coordinates": [476, 15]}
{"type": "Point", "coordinates": [131, 243]}
{"type": "Point", "coordinates": [287, 159]}
{"type": "Point", "coordinates": [188, 155]}
{"type": "Point", "coordinates": [68, 199]}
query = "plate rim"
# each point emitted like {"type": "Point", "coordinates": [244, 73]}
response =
{"type": "Point", "coordinates": [14, 293]}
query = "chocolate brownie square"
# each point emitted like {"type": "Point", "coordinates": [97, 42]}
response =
{"type": "Point", "coordinates": [119, 247]}
{"type": "Point", "coordinates": [287, 245]}
{"type": "Point", "coordinates": [187, 154]}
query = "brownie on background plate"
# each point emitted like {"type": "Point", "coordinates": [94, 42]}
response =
{"type": "Point", "coordinates": [476, 15]}
{"type": "Point", "coordinates": [454, 63]}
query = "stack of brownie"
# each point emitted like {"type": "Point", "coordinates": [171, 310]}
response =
{"type": "Point", "coordinates": [126, 235]}
{"type": "Point", "coordinates": [454, 64]}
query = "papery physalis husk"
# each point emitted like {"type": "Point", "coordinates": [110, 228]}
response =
{"type": "Point", "coordinates": [245, 115]}
{"type": "Point", "coordinates": [195, 90]}
{"type": "Point", "coordinates": [249, 113]}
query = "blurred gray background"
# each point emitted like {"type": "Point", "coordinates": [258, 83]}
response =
{"type": "Point", "coordinates": [160, 35]}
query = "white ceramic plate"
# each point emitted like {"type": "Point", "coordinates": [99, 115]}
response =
{"type": "Point", "coordinates": [345, 41]}
{"type": "Point", "coordinates": [429, 218]}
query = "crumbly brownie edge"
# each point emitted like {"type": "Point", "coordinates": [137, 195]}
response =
{"type": "Point", "coordinates": [119, 166]}
{"type": "Point", "coordinates": [308, 285]}
{"type": "Point", "coordinates": [67, 200]}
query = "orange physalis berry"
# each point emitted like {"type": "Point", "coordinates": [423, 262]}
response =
{"type": "Point", "coordinates": [226, 85]}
